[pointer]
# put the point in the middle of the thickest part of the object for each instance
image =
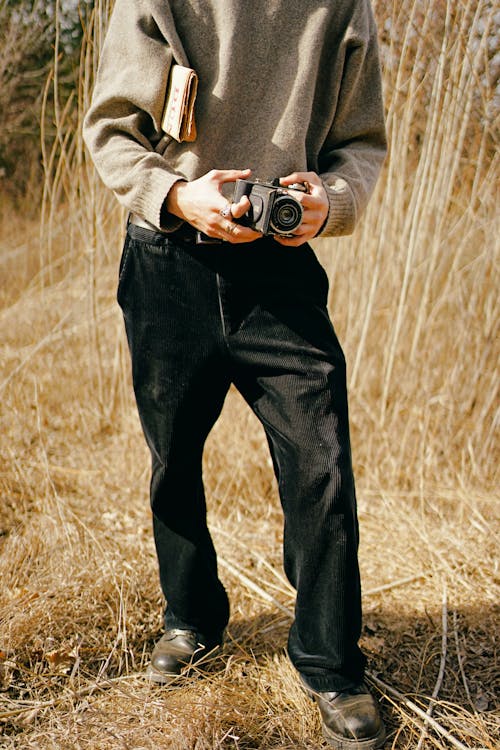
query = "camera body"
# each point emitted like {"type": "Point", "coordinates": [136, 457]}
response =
{"type": "Point", "coordinates": [272, 209]}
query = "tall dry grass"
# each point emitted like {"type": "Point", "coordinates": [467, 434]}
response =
{"type": "Point", "coordinates": [414, 300]}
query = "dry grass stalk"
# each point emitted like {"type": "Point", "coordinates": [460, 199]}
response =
{"type": "Point", "coordinates": [442, 667]}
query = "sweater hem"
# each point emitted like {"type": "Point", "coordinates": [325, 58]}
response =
{"type": "Point", "coordinates": [150, 201]}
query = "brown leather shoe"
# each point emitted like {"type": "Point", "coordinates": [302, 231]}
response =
{"type": "Point", "coordinates": [351, 720]}
{"type": "Point", "coordinates": [175, 652]}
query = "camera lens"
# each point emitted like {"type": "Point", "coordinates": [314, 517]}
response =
{"type": "Point", "coordinates": [286, 214]}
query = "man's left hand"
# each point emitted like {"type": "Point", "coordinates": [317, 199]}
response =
{"type": "Point", "coordinates": [314, 203]}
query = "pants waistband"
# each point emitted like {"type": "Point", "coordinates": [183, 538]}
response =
{"type": "Point", "coordinates": [185, 233]}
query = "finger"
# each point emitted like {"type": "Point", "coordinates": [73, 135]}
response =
{"type": "Point", "coordinates": [309, 222]}
{"type": "Point", "coordinates": [311, 177]}
{"type": "Point", "coordinates": [305, 232]}
{"type": "Point", "coordinates": [240, 209]}
{"type": "Point", "coordinates": [309, 229]}
{"type": "Point", "coordinates": [311, 216]}
{"type": "Point", "coordinates": [221, 176]}
{"type": "Point", "coordinates": [229, 231]}
{"type": "Point", "coordinates": [226, 211]}
{"type": "Point", "coordinates": [295, 241]}
{"type": "Point", "coordinates": [241, 234]}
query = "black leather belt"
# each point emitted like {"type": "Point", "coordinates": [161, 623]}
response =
{"type": "Point", "coordinates": [185, 233]}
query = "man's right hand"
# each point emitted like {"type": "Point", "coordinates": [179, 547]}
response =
{"type": "Point", "coordinates": [201, 201]}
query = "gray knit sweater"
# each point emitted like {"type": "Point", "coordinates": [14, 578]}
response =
{"type": "Point", "coordinates": [284, 86]}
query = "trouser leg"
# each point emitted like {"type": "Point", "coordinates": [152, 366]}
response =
{"type": "Point", "coordinates": [171, 315]}
{"type": "Point", "coordinates": [296, 385]}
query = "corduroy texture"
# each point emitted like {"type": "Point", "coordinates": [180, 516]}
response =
{"type": "Point", "coordinates": [284, 86]}
{"type": "Point", "coordinates": [197, 320]}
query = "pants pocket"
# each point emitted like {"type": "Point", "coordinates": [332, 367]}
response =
{"type": "Point", "coordinates": [123, 271]}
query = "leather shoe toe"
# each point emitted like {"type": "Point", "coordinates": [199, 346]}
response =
{"type": "Point", "coordinates": [351, 719]}
{"type": "Point", "coordinates": [176, 651]}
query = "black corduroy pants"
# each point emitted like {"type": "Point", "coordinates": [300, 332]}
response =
{"type": "Point", "coordinates": [198, 319]}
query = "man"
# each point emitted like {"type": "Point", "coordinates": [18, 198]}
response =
{"type": "Point", "coordinates": [287, 89]}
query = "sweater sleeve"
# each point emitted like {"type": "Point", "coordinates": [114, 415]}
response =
{"type": "Point", "coordinates": [355, 148]}
{"type": "Point", "coordinates": [123, 121]}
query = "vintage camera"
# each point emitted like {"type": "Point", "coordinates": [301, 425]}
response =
{"type": "Point", "coordinates": [273, 210]}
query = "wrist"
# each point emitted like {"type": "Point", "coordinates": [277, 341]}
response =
{"type": "Point", "coordinates": [325, 210]}
{"type": "Point", "coordinates": [172, 202]}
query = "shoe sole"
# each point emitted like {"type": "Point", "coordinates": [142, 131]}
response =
{"type": "Point", "coordinates": [160, 678]}
{"type": "Point", "coordinates": [342, 743]}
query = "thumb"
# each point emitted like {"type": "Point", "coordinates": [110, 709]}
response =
{"type": "Point", "coordinates": [240, 208]}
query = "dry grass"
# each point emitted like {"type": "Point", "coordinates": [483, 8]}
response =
{"type": "Point", "coordinates": [415, 301]}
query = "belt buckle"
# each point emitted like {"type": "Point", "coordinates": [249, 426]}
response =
{"type": "Point", "coordinates": [204, 239]}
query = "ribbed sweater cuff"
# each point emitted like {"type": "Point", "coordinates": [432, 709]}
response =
{"type": "Point", "coordinates": [150, 200]}
{"type": "Point", "coordinates": [341, 217]}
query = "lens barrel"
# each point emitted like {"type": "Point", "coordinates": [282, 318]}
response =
{"type": "Point", "coordinates": [286, 214]}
